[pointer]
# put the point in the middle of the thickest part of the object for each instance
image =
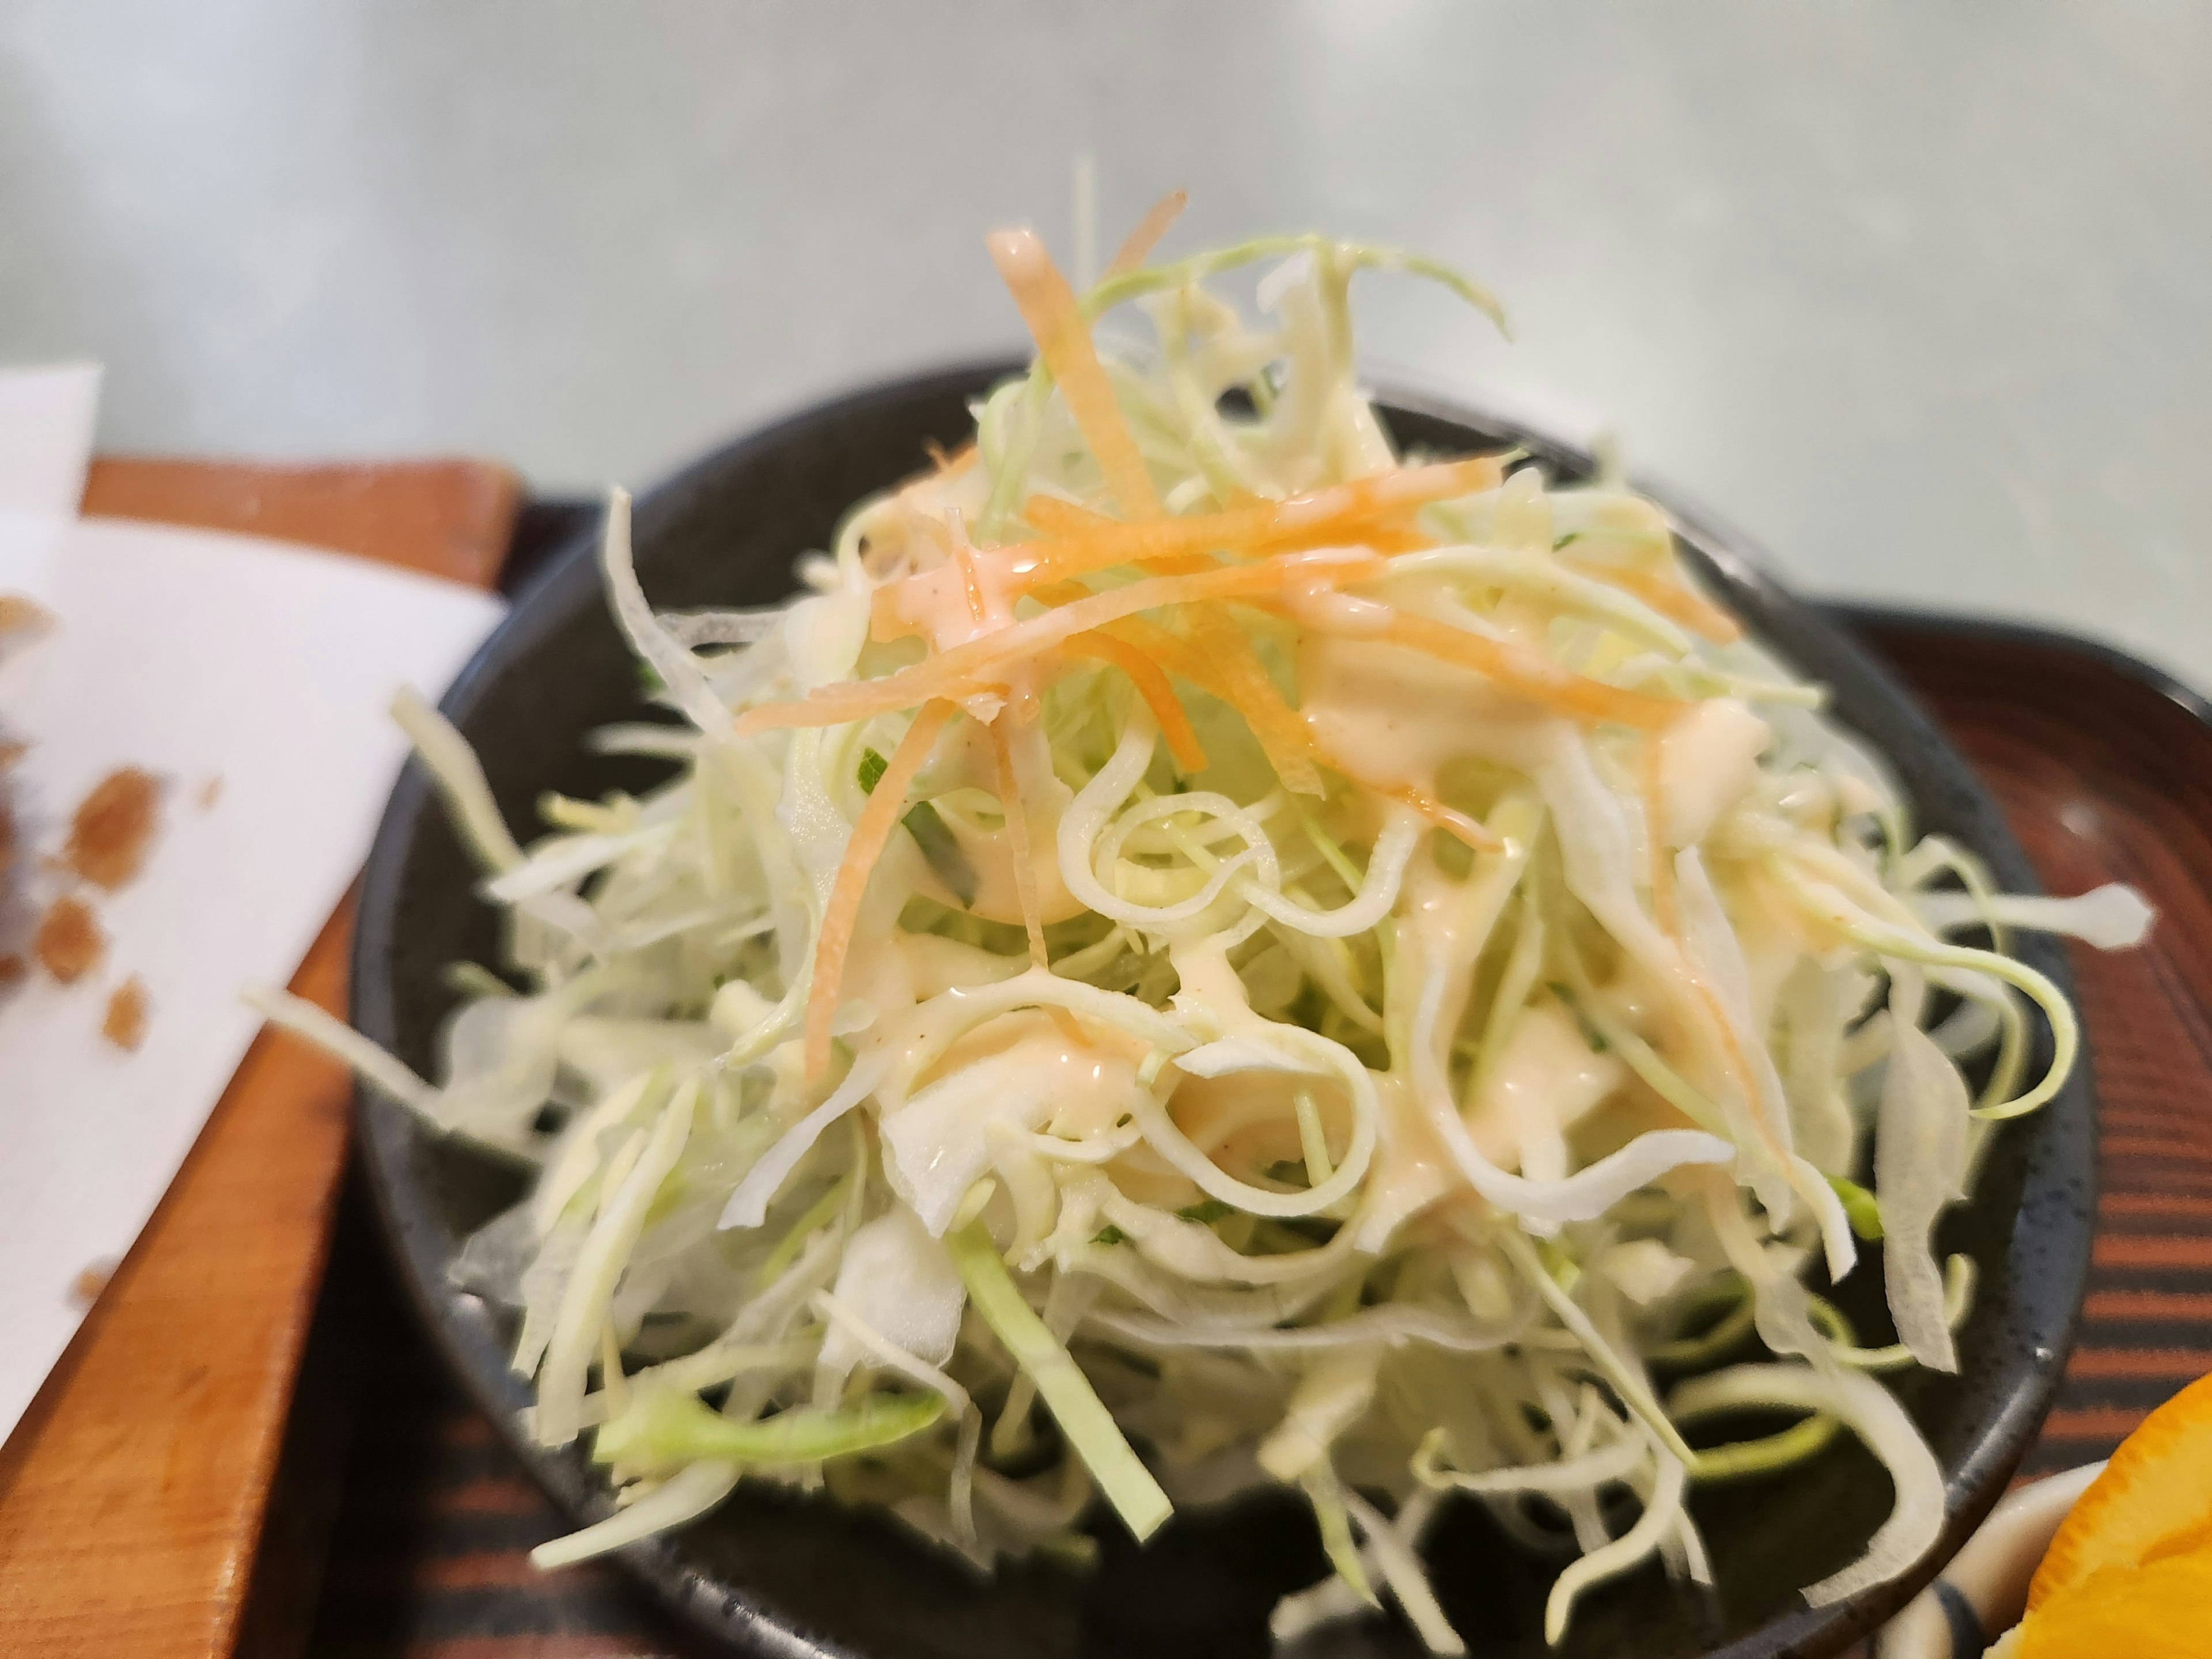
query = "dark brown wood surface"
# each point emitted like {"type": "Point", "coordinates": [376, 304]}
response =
{"type": "Point", "coordinates": [454, 519]}
{"type": "Point", "coordinates": [2104, 776]}
{"type": "Point", "coordinates": [136, 1492]}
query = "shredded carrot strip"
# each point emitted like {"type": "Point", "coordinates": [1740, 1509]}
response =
{"type": "Point", "coordinates": [1063, 340]}
{"type": "Point", "coordinates": [884, 622]}
{"type": "Point", "coordinates": [1058, 518]}
{"type": "Point", "coordinates": [872, 831]}
{"type": "Point", "coordinates": [1667, 595]}
{"type": "Point", "coordinates": [1283, 736]}
{"type": "Point", "coordinates": [1171, 651]}
{"type": "Point", "coordinates": [1087, 546]}
{"type": "Point", "coordinates": [961, 556]}
{"type": "Point", "coordinates": [1389, 532]}
{"type": "Point", "coordinates": [1161, 646]}
{"type": "Point", "coordinates": [1386, 538]}
{"type": "Point", "coordinates": [1394, 533]}
{"type": "Point", "coordinates": [1375, 513]}
{"type": "Point", "coordinates": [1220, 661]}
{"type": "Point", "coordinates": [1530, 674]}
{"type": "Point", "coordinates": [1010, 800]}
{"type": "Point", "coordinates": [1152, 686]}
{"type": "Point", "coordinates": [1280, 731]}
{"type": "Point", "coordinates": [972, 578]}
{"type": "Point", "coordinates": [968, 668]}
{"type": "Point", "coordinates": [1718, 1031]}
{"type": "Point", "coordinates": [1733, 1060]}
{"type": "Point", "coordinates": [1448, 819]}
{"type": "Point", "coordinates": [1061, 594]}
{"type": "Point", "coordinates": [1138, 245]}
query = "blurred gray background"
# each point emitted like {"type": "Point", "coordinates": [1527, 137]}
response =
{"type": "Point", "coordinates": [1919, 293]}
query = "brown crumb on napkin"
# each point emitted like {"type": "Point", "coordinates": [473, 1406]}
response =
{"type": "Point", "coordinates": [91, 1280]}
{"type": "Point", "coordinates": [10, 752]}
{"type": "Point", "coordinates": [210, 792]}
{"type": "Point", "coordinates": [125, 1024]}
{"type": "Point", "coordinates": [12, 967]}
{"type": "Point", "coordinates": [108, 837]}
{"type": "Point", "coordinates": [20, 615]}
{"type": "Point", "coordinates": [69, 941]}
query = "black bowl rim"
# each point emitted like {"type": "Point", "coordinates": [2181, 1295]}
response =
{"type": "Point", "coordinates": [420, 1244]}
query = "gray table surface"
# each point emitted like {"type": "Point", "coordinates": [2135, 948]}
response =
{"type": "Point", "coordinates": [1919, 292]}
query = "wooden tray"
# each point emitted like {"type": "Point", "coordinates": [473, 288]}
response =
{"type": "Point", "coordinates": [2106, 770]}
{"type": "Point", "coordinates": [135, 1495]}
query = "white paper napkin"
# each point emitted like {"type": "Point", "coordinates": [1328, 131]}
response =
{"type": "Point", "coordinates": [198, 657]}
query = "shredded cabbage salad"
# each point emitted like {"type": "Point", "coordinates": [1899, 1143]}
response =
{"type": "Point", "coordinates": [1202, 953]}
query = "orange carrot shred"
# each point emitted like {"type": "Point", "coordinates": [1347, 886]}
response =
{"type": "Point", "coordinates": [1385, 538]}
{"type": "Point", "coordinates": [1222, 664]}
{"type": "Point", "coordinates": [1668, 596]}
{"type": "Point", "coordinates": [1138, 245]}
{"type": "Point", "coordinates": [1171, 651]}
{"type": "Point", "coordinates": [1087, 544]}
{"type": "Point", "coordinates": [960, 554]}
{"type": "Point", "coordinates": [1058, 518]}
{"type": "Point", "coordinates": [1152, 686]}
{"type": "Point", "coordinates": [1283, 736]}
{"type": "Point", "coordinates": [1063, 341]}
{"type": "Point", "coordinates": [872, 832]}
{"type": "Point", "coordinates": [1375, 513]}
{"type": "Point", "coordinates": [1279, 729]}
{"type": "Point", "coordinates": [1530, 674]}
{"type": "Point", "coordinates": [1060, 593]}
{"type": "Point", "coordinates": [1449, 819]}
{"type": "Point", "coordinates": [964, 556]}
{"type": "Point", "coordinates": [968, 668]}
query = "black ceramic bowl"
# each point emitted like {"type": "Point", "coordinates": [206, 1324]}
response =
{"type": "Point", "coordinates": [785, 1577]}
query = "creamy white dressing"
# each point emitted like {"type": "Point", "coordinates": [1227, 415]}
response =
{"type": "Point", "coordinates": [952, 591]}
{"type": "Point", "coordinates": [1247, 1121]}
{"type": "Point", "coordinates": [990, 854]}
{"type": "Point", "coordinates": [1547, 1080]}
{"type": "Point", "coordinates": [1402, 717]}
{"type": "Point", "coordinates": [1708, 762]}
{"type": "Point", "coordinates": [1413, 1169]}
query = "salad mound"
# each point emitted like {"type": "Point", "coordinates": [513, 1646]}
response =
{"type": "Point", "coordinates": [1202, 952]}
